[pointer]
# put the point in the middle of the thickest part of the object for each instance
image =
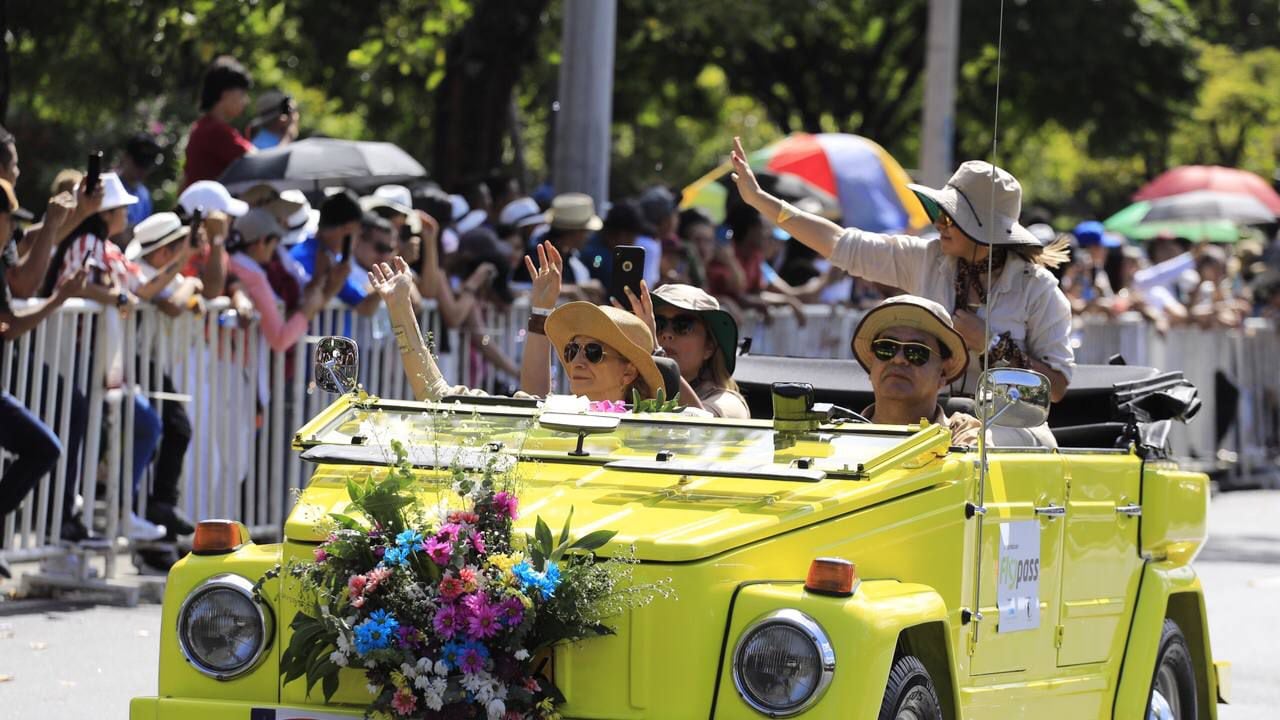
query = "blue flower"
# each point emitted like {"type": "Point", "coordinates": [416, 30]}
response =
{"type": "Point", "coordinates": [409, 539]}
{"type": "Point", "coordinates": [376, 632]}
{"type": "Point", "coordinates": [451, 654]}
{"type": "Point", "coordinates": [544, 582]}
{"type": "Point", "coordinates": [396, 556]}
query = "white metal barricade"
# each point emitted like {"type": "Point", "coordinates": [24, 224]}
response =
{"type": "Point", "coordinates": [244, 401]}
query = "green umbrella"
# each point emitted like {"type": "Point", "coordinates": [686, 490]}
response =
{"type": "Point", "coordinates": [1128, 222]}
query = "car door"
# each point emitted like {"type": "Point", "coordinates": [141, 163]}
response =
{"type": "Point", "coordinates": [1021, 560]}
{"type": "Point", "coordinates": [1101, 565]}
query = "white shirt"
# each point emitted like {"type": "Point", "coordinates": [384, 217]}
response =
{"type": "Point", "coordinates": [1025, 300]}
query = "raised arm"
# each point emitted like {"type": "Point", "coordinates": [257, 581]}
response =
{"type": "Point", "coordinates": [395, 288]}
{"type": "Point", "coordinates": [817, 232]}
{"type": "Point", "coordinates": [535, 363]}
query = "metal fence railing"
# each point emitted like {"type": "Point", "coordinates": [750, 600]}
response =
{"type": "Point", "coordinates": [86, 369]}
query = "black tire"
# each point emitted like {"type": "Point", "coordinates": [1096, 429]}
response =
{"type": "Point", "coordinates": [909, 694]}
{"type": "Point", "coordinates": [1175, 676]}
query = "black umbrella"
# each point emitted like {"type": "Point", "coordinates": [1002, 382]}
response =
{"type": "Point", "coordinates": [316, 163]}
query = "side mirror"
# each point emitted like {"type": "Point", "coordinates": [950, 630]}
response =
{"type": "Point", "coordinates": [580, 424]}
{"type": "Point", "coordinates": [337, 365]}
{"type": "Point", "coordinates": [1011, 397]}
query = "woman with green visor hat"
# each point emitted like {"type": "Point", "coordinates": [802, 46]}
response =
{"type": "Point", "coordinates": [976, 216]}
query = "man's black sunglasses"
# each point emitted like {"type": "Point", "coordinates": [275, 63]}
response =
{"type": "Point", "coordinates": [593, 352]}
{"type": "Point", "coordinates": [679, 324]}
{"type": "Point", "coordinates": [916, 353]}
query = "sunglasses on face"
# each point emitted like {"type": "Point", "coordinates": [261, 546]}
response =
{"type": "Point", "coordinates": [679, 324]}
{"type": "Point", "coordinates": [593, 352]}
{"type": "Point", "coordinates": [915, 353]}
{"type": "Point", "coordinates": [383, 248]}
{"type": "Point", "coordinates": [944, 221]}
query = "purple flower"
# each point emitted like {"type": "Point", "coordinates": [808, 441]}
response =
{"type": "Point", "coordinates": [321, 555]}
{"type": "Point", "coordinates": [506, 503]}
{"type": "Point", "coordinates": [483, 622]}
{"type": "Point", "coordinates": [512, 611]}
{"type": "Point", "coordinates": [379, 551]}
{"type": "Point", "coordinates": [477, 542]}
{"type": "Point", "coordinates": [408, 637]}
{"type": "Point", "coordinates": [447, 622]}
{"type": "Point", "coordinates": [439, 550]}
{"type": "Point", "coordinates": [472, 661]}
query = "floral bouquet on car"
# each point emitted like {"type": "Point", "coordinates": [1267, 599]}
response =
{"type": "Point", "coordinates": [446, 612]}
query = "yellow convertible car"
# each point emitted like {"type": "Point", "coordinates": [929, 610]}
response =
{"type": "Point", "coordinates": [822, 567]}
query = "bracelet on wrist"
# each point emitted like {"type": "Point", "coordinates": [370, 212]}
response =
{"type": "Point", "coordinates": [537, 324]}
{"type": "Point", "coordinates": [543, 312]}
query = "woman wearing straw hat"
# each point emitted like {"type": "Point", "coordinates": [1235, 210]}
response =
{"type": "Point", "coordinates": [700, 337]}
{"type": "Point", "coordinates": [976, 216]}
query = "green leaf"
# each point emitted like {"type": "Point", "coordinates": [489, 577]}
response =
{"type": "Point", "coordinates": [593, 540]}
{"type": "Point", "coordinates": [543, 534]}
{"type": "Point", "coordinates": [564, 532]}
{"type": "Point", "coordinates": [329, 681]}
{"type": "Point", "coordinates": [346, 522]}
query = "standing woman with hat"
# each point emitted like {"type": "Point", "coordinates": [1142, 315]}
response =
{"type": "Point", "coordinates": [976, 215]}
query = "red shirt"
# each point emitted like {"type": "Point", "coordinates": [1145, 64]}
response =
{"type": "Point", "coordinates": [212, 146]}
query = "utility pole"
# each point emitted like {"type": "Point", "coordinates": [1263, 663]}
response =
{"type": "Point", "coordinates": [584, 118]}
{"type": "Point", "coordinates": [940, 69]}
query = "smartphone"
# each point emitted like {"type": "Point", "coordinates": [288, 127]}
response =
{"type": "Point", "coordinates": [347, 242]}
{"type": "Point", "coordinates": [628, 271]}
{"type": "Point", "coordinates": [95, 171]}
{"type": "Point", "coordinates": [197, 217]}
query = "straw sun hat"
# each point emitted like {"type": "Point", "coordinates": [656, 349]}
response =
{"type": "Point", "coordinates": [616, 328]}
{"type": "Point", "coordinates": [913, 312]}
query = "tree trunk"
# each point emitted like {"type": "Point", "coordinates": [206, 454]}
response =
{"type": "Point", "coordinates": [483, 65]}
{"type": "Point", "coordinates": [4, 62]}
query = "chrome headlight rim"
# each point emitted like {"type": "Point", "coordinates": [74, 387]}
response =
{"type": "Point", "coordinates": [265, 618]}
{"type": "Point", "coordinates": [805, 624]}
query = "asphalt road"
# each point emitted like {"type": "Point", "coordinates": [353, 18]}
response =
{"type": "Point", "coordinates": [74, 661]}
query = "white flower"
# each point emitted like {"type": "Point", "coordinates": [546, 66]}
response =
{"type": "Point", "coordinates": [423, 667]}
{"type": "Point", "coordinates": [496, 709]}
{"type": "Point", "coordinates": [433, 692]}
{"type": "Point", "coordinates": [408, 670]}
{"type": "Point", "coordinates": [374, 690]}
{"type": "Point", "coordinates": [344, 645]}
{"type": "Point", "coordinates": [339, 658]}
{"type": "Point", "coordinates": [442, 668]}
{"type": "Point", "coordinates": [522, 655]}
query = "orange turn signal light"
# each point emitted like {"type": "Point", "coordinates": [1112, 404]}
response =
{"type": "Point", "coordinates": [215, 537]}
{"type": "Point", "coordinates": [831, 576]}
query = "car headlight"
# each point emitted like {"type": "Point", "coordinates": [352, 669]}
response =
{"type": "Point", "coordinates": [223, 629]}
{"type": "Point", "coordinates": [783, 663]}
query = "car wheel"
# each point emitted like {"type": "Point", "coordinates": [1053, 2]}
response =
{"type": "Point", "coordinates": [1173, 690]}
{"type": "Point", "coordinates": [909, 694]}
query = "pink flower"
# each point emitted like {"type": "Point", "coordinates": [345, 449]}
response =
{"type": "Point", "coordinates": [607, 406]}
{"type": "Point", "coordinates": [356, 583]}
{"type": "Point", "coordinates": [451, 587]}
{"type": "Point", "coordinates": [472, 661]}
{"type": "Point", "coordinates": [377, 576]}
{"type": "Point", "coordinates": [506, 503]}
{"type": "Point", "coordinates": [532, 685]}
{"type": "Point", "coordinates": [321, 555]}
{"type": "Point", "coordinates": [477, 542]}
{"type": "Point", "coordinates": [458, 516]}
{"type": "Point", "coordinates": [449, 531]}
{"type": "Point", "coordinates": [438, 550]}
{"type": "Point", "coordinates": [357, 601]}
{"type": "Point", "coordinates": [447, 622]}
{"type": "Point", "coordinates": [404, 702]}
{"type": "Point", "coordinates": [468, 577]}
{"type": "Point", "coordinates": [483, 622]}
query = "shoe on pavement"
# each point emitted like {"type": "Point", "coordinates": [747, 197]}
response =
{"type": "Point", "coordinates": [143, 530]}
{"type": "Point", "coordinates": [170, 517]}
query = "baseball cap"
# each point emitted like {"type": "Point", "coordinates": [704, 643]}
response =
{"type": "Point", "coordinates": [521, 212]}
{"type": "Point", "coordinates": [211, 195]}
{"type": "Point", "coordinates": [257, 224]}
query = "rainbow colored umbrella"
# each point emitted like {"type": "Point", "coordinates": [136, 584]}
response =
{"type": "Point", "coordinates": [869, 186]}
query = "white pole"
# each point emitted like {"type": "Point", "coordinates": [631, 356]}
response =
{"type": "Point", "coordinates": [585, 98]}
{"type": "Point", "coordinates": [940, 68]}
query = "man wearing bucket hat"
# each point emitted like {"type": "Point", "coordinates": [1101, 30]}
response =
{"type": "Point", "coordinates": [911, 351]}
{"type": "Point", "coordinates": [976, 216]}
{"type": "Point", "coordinates": [160, 246]}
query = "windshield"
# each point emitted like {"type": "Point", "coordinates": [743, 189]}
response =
{"type": "Point", "coordinates": [637, 437]}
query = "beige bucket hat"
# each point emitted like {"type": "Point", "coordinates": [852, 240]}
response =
{"type": "Point", "coordinates": [984, 200]}
{"type": "Point", "coordinates": [616, 328]}
{"type": "Point", "coordinates": [574, 211]}
{"type": "Point", "coordinates": [913, 312]}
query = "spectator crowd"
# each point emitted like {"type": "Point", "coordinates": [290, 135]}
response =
{"type": "Point", "coordinates": [282, 257]}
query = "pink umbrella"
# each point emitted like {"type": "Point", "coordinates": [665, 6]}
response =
{"type": "Point", "coordinates": [1210, 177]}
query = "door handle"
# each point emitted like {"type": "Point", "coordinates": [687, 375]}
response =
{"type": "Point", "coordinates": [1052, 512]}
{"type": "Point", "coordinates": [1130, 510]}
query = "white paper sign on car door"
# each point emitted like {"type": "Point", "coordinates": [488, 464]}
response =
{"type": "Point", "coordinates": [1018, 585]}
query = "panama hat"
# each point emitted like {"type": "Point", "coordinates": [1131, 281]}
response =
{"type": "Point", "coordinates": [913, 312]}
{"type": "Point", "coordinates": [154, 233]}
{"type": "Point", "coordinates": [574, 211]}
{"type": "Point", "coordinates": [616, 328]}
{"type": "Point", "coordinates": [695, 300]}
{"type": "Point", "coordinates": [113, 193]}
{"type": "Point", "coordinates": [984, 200]}
{"type": "Point", "coordinates": [520, 213]}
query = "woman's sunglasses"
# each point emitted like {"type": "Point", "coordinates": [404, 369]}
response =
{"type": "Point", "coordinates": [679, 324]}
{"type": "Point", "coordinates": [593, 352]}
{"type": "Point", "coordinates": [915, 353]}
